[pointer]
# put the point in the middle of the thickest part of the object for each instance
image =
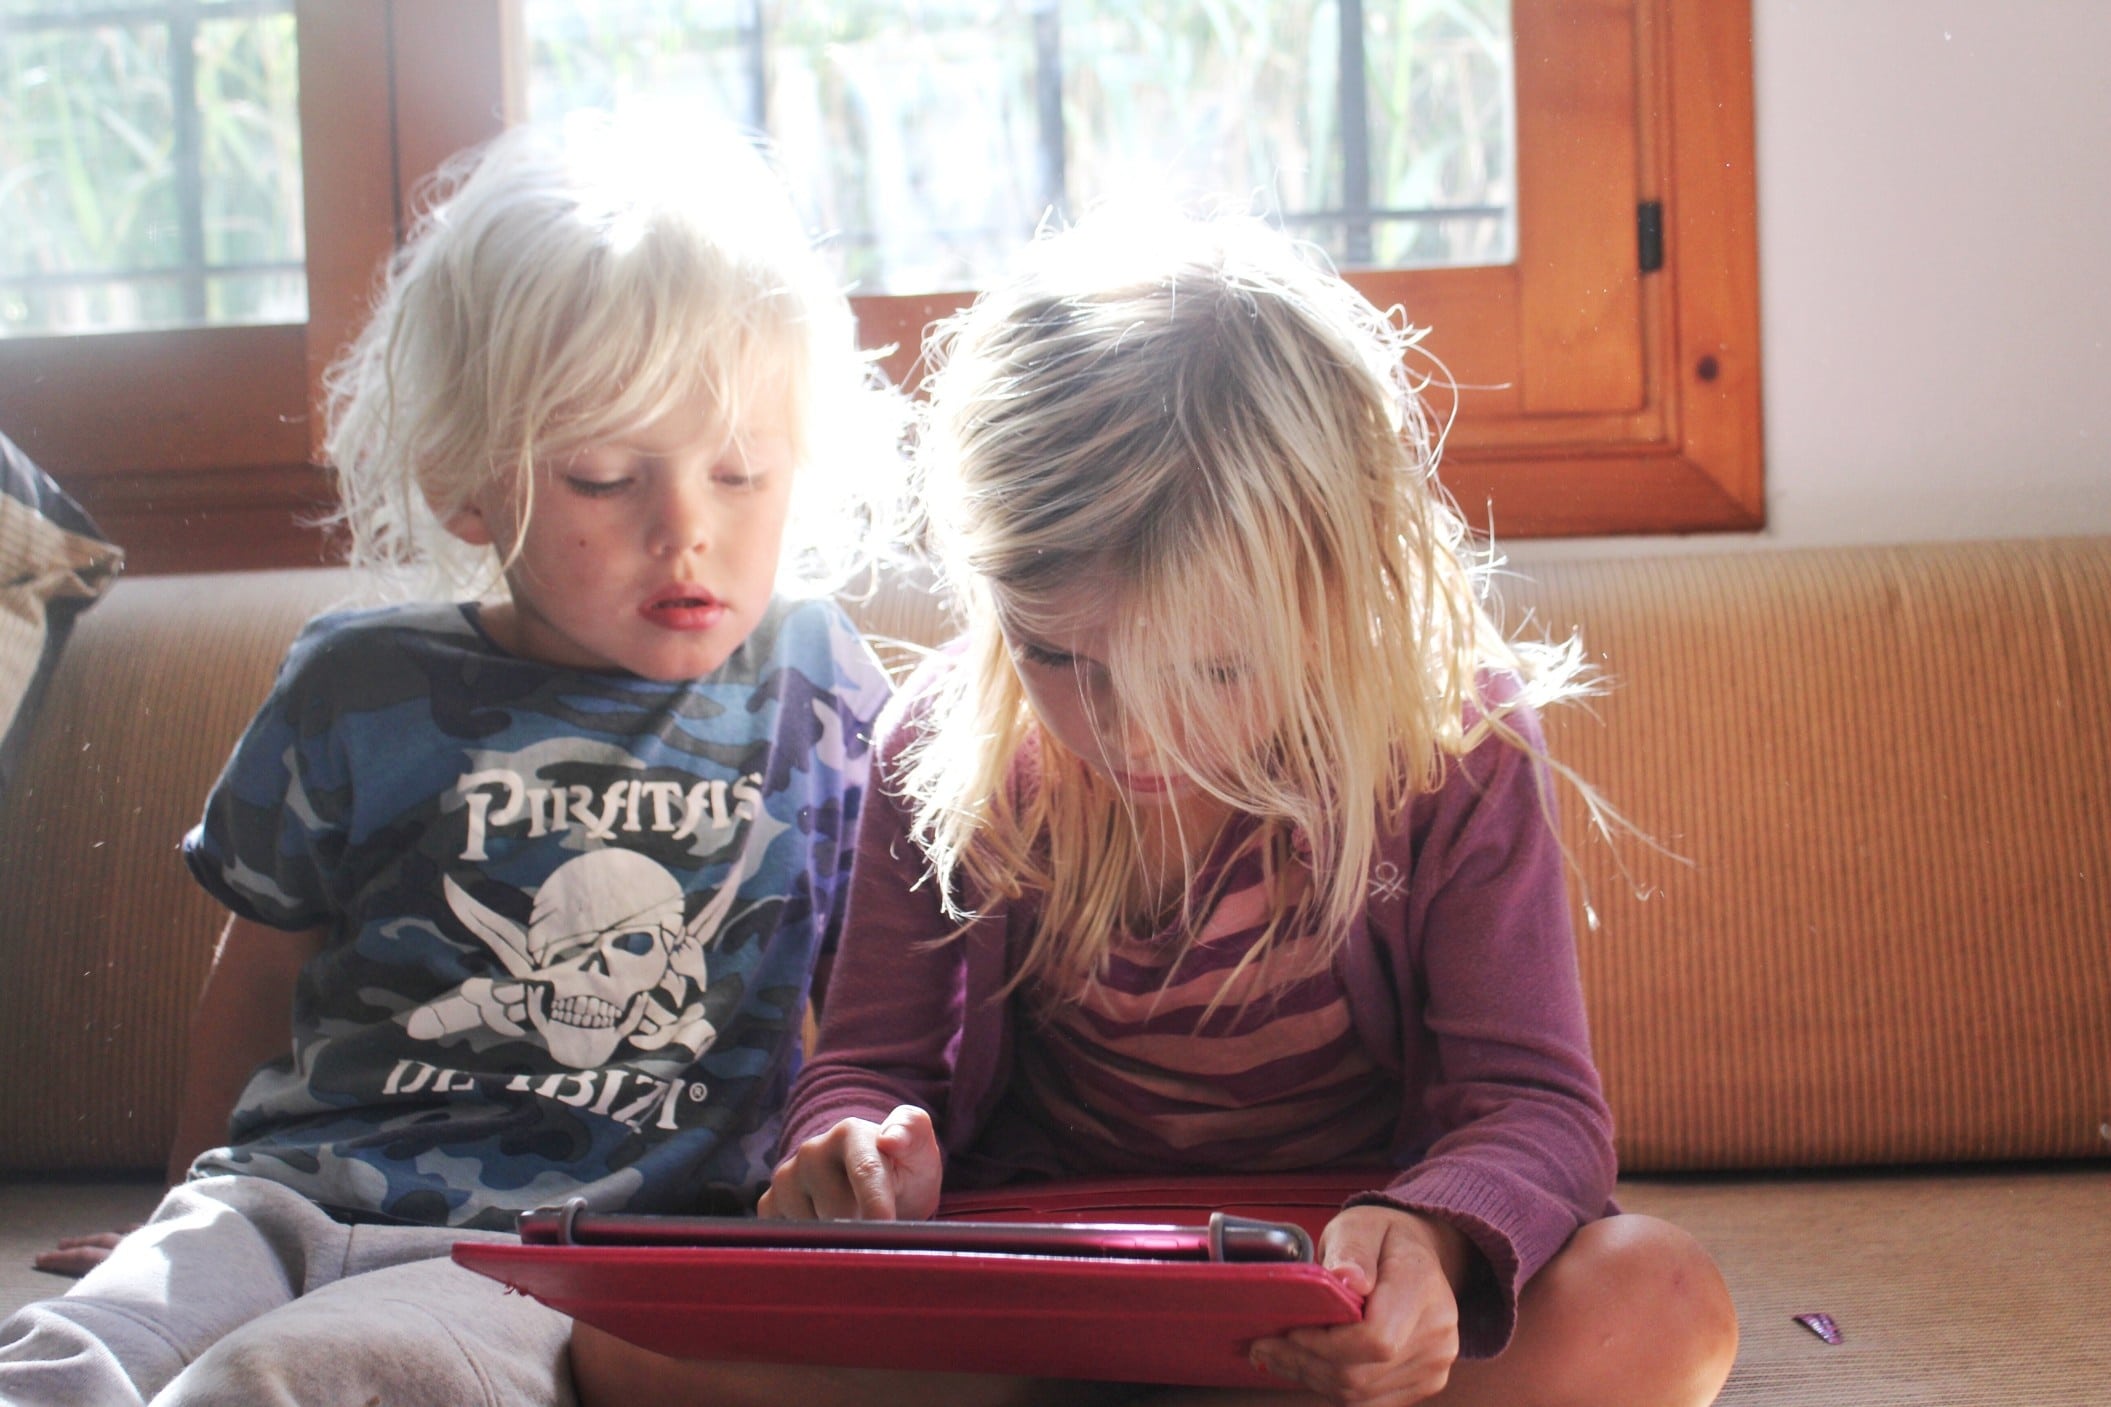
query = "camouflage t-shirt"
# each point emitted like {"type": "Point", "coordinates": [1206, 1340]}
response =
{"type": "Point", "coordinates": [571, 918]}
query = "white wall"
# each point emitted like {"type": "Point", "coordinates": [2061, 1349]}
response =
{"type": "Point", "coordinates": [1935, 271]}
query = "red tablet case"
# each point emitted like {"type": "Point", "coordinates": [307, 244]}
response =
{"type": "Point", "coordinates": [1041, 1316]}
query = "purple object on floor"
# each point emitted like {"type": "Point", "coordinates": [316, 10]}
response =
{"type": "Point", "coordinates": [1820, 1324]}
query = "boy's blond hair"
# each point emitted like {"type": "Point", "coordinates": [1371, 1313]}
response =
{"type": "Point", "coordinates": [1201, 423]}
{"type": "Point", "coordinates": [571, 284]}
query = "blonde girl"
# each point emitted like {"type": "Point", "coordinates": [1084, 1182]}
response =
{"type": "Point", "coordinates": [1222, 841]}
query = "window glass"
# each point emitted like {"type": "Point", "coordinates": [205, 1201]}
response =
{"type": "Point", "coordinates": [931, 137]}
{"type": "Point", "coordinates": [149, 165]}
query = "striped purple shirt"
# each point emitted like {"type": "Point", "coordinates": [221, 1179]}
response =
{"type": "Point", "coordinates": [1460, 981]}
{"type": "Point", "coordinates": [1142, 1074]}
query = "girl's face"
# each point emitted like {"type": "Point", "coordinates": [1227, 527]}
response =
{"type": "Point", "coordinates": [653, 553]}
{"type": "Point", "coordinates": [1061, 663]}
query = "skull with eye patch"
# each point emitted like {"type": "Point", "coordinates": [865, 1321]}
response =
{"type": "Point", "coordinates": [604, 937]}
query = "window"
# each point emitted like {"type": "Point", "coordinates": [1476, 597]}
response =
{"type": "Point", "coordinates": [932, 139]}
{"type": "Point", "coordinates": [152, 160]}
{"type": "Point", "coordinates": [1609, 373]}
{"type": "Point", "coordinates": [1609, 370]}
{"type": "Point", "coordinates": [192, 446]}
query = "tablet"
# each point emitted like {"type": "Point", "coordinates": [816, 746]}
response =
{"type": "Point", "coordinates": [1222, 1238]}
{"type": "Point", "coordinates": [1150, 1301]}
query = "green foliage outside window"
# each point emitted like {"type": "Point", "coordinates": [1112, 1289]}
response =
{"type": "Point", "coordinates": [149, 165]}
{"type": "Point", "coordinates": [917, 131]}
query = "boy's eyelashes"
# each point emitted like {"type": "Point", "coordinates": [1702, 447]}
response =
{"type": "Point", "coordinates": [596, 488]}
{"type": "Point", "coordinates": [726, 477]}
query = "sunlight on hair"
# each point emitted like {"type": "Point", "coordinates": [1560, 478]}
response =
{"type": "Point", "coordinates": [1194, 427]}
{"type": "Point", "coordinates": [570, 284]}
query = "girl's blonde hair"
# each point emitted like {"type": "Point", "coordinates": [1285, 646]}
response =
{"type": "Point", "coordinates": [1200, 423]}
{"type": "Point", "coordinates": [570, 284]}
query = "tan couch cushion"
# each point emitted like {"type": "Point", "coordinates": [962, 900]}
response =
{"type": "Point", "coordinates": [103, 936]}
{"type": "Point", "coordinates": [1890, 770]}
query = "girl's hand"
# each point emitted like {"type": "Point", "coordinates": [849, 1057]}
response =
{"type": "Point", "coordinates": [1402, 1351]}
{"type": "Point", "coordinates": [889, 1171]}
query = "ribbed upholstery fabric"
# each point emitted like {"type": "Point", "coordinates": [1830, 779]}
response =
{"type": "Point", "coordinates": [104, 939]}
{"type": "Point", "coordinates": [1967, 1289]}
{"type": "Point", "coordinates": [1886, 771]}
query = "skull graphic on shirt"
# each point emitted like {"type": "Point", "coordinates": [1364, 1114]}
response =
{"type": "Point", "coordinates": [605, 958]}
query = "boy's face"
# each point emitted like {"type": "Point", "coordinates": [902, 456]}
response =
{"type": "Point", "coordinates": [653, 553]}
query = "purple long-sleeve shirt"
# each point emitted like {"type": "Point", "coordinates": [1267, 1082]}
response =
{"type": "Point", "coordinates": [1461, 977]}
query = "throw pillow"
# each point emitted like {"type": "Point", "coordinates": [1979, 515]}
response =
{"type": "Point", "coordinates": [54, 563]}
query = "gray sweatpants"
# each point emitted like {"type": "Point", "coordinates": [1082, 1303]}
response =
{"type": "Point", "coordinates": [240, 1291]}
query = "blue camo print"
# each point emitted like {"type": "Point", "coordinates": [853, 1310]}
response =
{"type": "Point", "coordinates": [570, 918]}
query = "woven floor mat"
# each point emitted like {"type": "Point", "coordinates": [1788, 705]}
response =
{"type": "Point", "coordinates": [1978, 1289]}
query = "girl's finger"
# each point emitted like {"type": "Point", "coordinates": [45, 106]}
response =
{"type": "Point", "coordinates": [909, 1140]}
{"type": "Point", "coordinates": [779, 1203]}
{"type": "Point", "coordinates": [901, 1128]}
{"type": "Point", "coordinates": [868, 1175]}
{"type": "Point", "coordinates": [1349, 1250]}
{"type": "Point", "coordinates": [1292, 1363]}
{"type": "Point", "coordinates": [784, 1201]}
{"type": "Point", "coordinates": [808, 1185]}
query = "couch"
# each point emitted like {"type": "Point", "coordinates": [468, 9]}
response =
{"type": "Point", "coordinates": [1853, 1006]}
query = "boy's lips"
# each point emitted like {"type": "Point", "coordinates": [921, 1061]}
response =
{"type": "Point", "coordinates": [683, 607]}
